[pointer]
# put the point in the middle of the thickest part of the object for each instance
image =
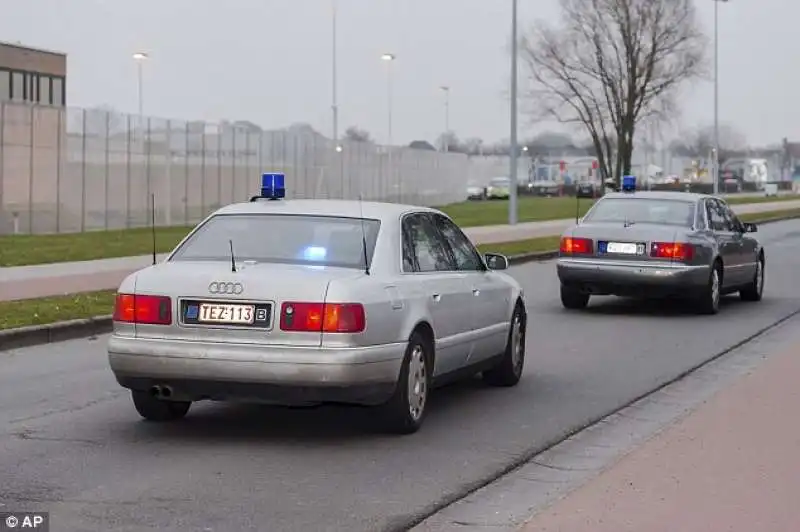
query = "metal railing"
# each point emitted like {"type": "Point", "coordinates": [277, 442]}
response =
{"type": "Point", "coordinates": [72, 170]}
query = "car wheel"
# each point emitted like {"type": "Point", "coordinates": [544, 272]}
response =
{"type": "Point", "coordinates": [508, 371]}
{"type": "Point", "coordinates": [708, 302]}
{"type": "Point", "coordinates": [405, 411]}
{"type": "Point", "coordinates": [154, 409]}
{"type": "Point", "coordinates": [755, 290]}
{"type": "Point", "coordinates": [573, 299]}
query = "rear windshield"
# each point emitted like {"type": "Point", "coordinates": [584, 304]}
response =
{"type": "Point", "coordinates": [284, 239]}
{"type": "Point", "coordinates": [643, 210]}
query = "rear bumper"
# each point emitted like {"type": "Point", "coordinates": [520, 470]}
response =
{"type": "Point", "coordinates": [631, 278]}
{"type": "Point", "coordinates": [205, 370]}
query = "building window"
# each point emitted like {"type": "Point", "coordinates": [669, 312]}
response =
{"type": "Point", "coordinates": [5, 85]}
{"type": "Point", "coordinates": [45, 90]}
{"type": "Point", "coordinates": [17, 86]}
{"type": "Point", "coordinates": [58, 91]}
{"type": "Point", "coordinates": [32, 87]}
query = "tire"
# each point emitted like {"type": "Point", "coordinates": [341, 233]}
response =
{"type": "Point", "coordinates": [573, 299]}
{"type": "Point", "coordinates": [755, 290]}
{"type": "Point", "coordinates": [708, 301]}
{"type": "Point", "coordinates": [508, 371]}
{"type": "Point", "coordinates": [153, 409]}
{"type": "Point", "coordinates": [405, 412]}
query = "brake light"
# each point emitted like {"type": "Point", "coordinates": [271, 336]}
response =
{"type": "Point", "coordinates": [323, 317]}
{"type": "Point", "coordinates": [672, 250]}
{"type": "Point", "coordinates": [576, 246]}
{"type": "Point", "coordinates": [147, 310]}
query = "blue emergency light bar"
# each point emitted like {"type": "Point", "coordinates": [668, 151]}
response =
{"type": "Point", "coordinates": [629, 183]}
{"type": "Point", "coordinates": [272, 186]}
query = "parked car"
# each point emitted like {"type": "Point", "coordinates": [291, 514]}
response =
{"type": "Point", "coordinates": [498, 188]}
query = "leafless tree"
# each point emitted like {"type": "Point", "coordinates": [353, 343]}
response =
{"type": "Point", "coordinates": [355, 134]}
{"type": "Point", "coordinates": [609, 64]}
{"type": "Point", "coordinates": [699, 142]}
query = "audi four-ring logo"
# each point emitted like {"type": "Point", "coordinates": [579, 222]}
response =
{"type": "Point", "coordinates": [218, 287]}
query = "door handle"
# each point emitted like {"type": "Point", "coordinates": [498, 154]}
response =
{"type": "Point", "coordinates": [476, 292]}
{"type": "Point", "coordinates": [437, 297]}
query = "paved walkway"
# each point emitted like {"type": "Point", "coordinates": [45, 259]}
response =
{"type": "Point", "coordinates": [70, 277]}
{"type": "Point", "coordinates": [732, 465]}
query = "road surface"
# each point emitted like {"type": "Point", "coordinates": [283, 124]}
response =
{"type": "Point", "coordinates": [72, 444]}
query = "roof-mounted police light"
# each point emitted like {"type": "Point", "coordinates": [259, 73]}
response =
{"type": "Point", "coordinates": [629, 183]}
{"type": "Point", "coordinates": [272, 187]}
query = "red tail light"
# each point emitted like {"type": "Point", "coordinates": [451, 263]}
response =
{"type": "Point", "coordinates": [576, 246]}
{"type": "Point", "coordinates": [323, 317]}
{"type": "Point", "coordinates": [672, 250]}
{"type": "Point", "coordinates": [149, 310]}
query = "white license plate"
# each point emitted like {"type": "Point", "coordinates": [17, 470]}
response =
{"type": "Point", "coordinates": [215, 313]}
{"type": "Point", "coordinates": [622, 247]}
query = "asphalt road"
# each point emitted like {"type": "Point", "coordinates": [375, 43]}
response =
{"type": "Point", "coordinates": [72, 444]}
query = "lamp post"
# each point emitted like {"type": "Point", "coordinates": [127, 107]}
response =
{"type": "Point", "coordinates": [334, 81]}
{"type": "Point", "coordinates": [716, 97]}
{"type": "Point", "coordinates": [446, 144]}
{"type": "Point", "coordinates": [389, 59]}
{"type": "Point", "coordinates": [140, 58]}
{"type": "Point", "coordinates": [512, 193]}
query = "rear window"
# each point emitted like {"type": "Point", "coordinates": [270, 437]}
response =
{"type": "Point", "coordinates": [641, 210]}
{"type": "Point", "coordinates": [283, 239]}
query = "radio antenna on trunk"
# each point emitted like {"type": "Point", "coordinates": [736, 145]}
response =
{"type": "Point", "coordinates": [153, 223]}
{"type": "Point", "coordinates": [363, 236]}
{"type": "Point", "coordinates": [233, 257]}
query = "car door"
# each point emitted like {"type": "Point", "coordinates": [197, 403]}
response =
{"type": "Point", "coordinates": [727, 240]}
{"type": "Point", "coordinates": [490, 295]}
{"type": "Point", "coordinates": [440, 290]}
{"type": "Point", "coordinates": [748, 246]}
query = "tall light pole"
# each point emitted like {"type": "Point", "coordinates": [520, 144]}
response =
{"type": "Point", "coordinates": [716, 96]}
{"type": "Point", "coordinates": [140, 58]}
{"type": "Point", "coordinates": [335, 102]}
{"type": "Point", "coordinates": [389, 59]}
{"type": "Point", "coordinates": [512, 193]}
{"type": "Point", "coordinates": [446, 144]}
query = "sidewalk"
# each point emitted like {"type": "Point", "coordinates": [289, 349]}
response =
{"type": "Point", "coordinates": [45, 280]}
{"type": "Point", "coordinates": [732, 465]}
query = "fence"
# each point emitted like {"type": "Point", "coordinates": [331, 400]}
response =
{"type": "Point", "coordinates": [73, 170]}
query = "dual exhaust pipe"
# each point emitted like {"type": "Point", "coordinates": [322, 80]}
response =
{"type": "Point", "coordinates": [161, 392]}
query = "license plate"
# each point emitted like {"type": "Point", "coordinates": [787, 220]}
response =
{"type": "Point", "coordinates": [624, 248]}
{"type": "Point", "coordinates": [222, 313]}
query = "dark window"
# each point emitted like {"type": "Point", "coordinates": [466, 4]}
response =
{"type": "Point", "coordinates": [409, 261]}
{"type": "Point", "coordinates": [31, 87]}
{"type": "Point", "coordinates": [734, 223]}
{"type": "Point", "coordinates": [429, 249]}
{"type": "Point", "coordinates": [717, 217]}
{"type": "Point", "coordinates": [5, 85]}
{"type": "Point", "coordinates": [283, 239]}
{"type": "Point", "coordinates": [464, 253]}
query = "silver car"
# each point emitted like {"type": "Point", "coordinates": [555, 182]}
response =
{"type": "Point", "coordinates": [645, 244]}
{"type": "Point", "coordinates": [314, 301]}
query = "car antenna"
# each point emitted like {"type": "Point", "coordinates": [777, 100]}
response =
{"type": "Point", "coordinates": [153, 224]}
{"type": "Point", "coordinates": [363, 236]}
{"type": "Point", "coordinates": [233, 257]}
{"type": "Point", "coordinates": [577, 205]}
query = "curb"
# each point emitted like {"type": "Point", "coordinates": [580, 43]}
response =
{"type": "Point", "coordinates": [54, 332]}
{"type": "Point", "coordinates": [86, 328]}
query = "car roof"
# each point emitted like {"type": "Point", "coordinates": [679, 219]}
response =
{"type": "Point", "coordinates": [325, 207]}
{"type": "Point", "coordinates": [659, 194]}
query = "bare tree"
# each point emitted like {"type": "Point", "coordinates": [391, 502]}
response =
{"type": "Point", "coordinates": [700, 142]}
{"type": "Point", "coordinates": [610, 64]}
{"type": "Point", "coordinates": [355, 134]}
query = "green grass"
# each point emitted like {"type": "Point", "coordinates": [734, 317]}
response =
{"type": "Point", "coordinates": [45, 310]}
{"type": "Point", "coordinates": [519, 247]}
{"type": "Point", "coordinates": [530, 209]}
{"type": "Point", "coordinates": [769, 215]}
{"type": "Point", "coordinates": [736, 200]}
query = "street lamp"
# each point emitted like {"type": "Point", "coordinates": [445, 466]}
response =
{"type": "Point", "coordinates": [335, 102]}
{"type": "Point", "coordinates": [389, 58]}
{"type": "Point", "coordinates": [446, 144]}
{"type": "Point", "coordinates": [140, 58]}
{"type": "Point", "coordinates": [512, 193]}
{"type": "Point", "coordinates": [716, 96]}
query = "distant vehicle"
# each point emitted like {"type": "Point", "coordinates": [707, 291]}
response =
{"type": "Point", "coordinates": [476, 192]}
{"type": "Point", "coordinates": [657, 244]}
{"type": "Point", "coordinates": [499, 188]}
{"type": "Point", "coordinates": [543, 187]}
{"type": "Point", "coordinates": [586, 189]}
{"type": "Point", "coordinates": [315, 301]}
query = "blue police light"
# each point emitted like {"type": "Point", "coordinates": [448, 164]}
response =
{"type": "Point", "coordinates": [272, 186]}
{"type": "Point", "coordinates": [629, 183]}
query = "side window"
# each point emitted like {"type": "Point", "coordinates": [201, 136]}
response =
{"type": "Point", "coordinates": [409, 262]}
{"type": "Point", "coordinates": [717, 217]}
{"type": "Point", "coordinates": [429, 251]}
{"type": "Point", "coordinates": [733, 220]}
{"type": "Point", "coordinates": [466, 257]}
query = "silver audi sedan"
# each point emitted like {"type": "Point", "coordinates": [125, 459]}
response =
{"type": "Point", "coordinates": [661, 244]}
{"type": "Point", "coordinates": [315, 301]}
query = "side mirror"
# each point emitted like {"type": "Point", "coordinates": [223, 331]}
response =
{"type": "Point", "coordinates": [750, 228]}
{"type": "Point", "coordinates": [495, 261]}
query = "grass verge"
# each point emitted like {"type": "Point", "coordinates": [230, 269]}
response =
{"type": "Point", "coordinates": [45, 310]}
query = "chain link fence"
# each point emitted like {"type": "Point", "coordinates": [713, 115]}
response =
{"type": "Point", "coordinates": [72, 170]}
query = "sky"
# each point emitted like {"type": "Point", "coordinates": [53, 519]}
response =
{"type": "Point", "coordinates": [270, 62]}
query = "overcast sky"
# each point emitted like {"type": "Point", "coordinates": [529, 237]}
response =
{"type": "Point", "coordinates": [269, 61]}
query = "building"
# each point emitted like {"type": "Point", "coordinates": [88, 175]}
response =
{"type": "Point", "coordinates": [32, 75]}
